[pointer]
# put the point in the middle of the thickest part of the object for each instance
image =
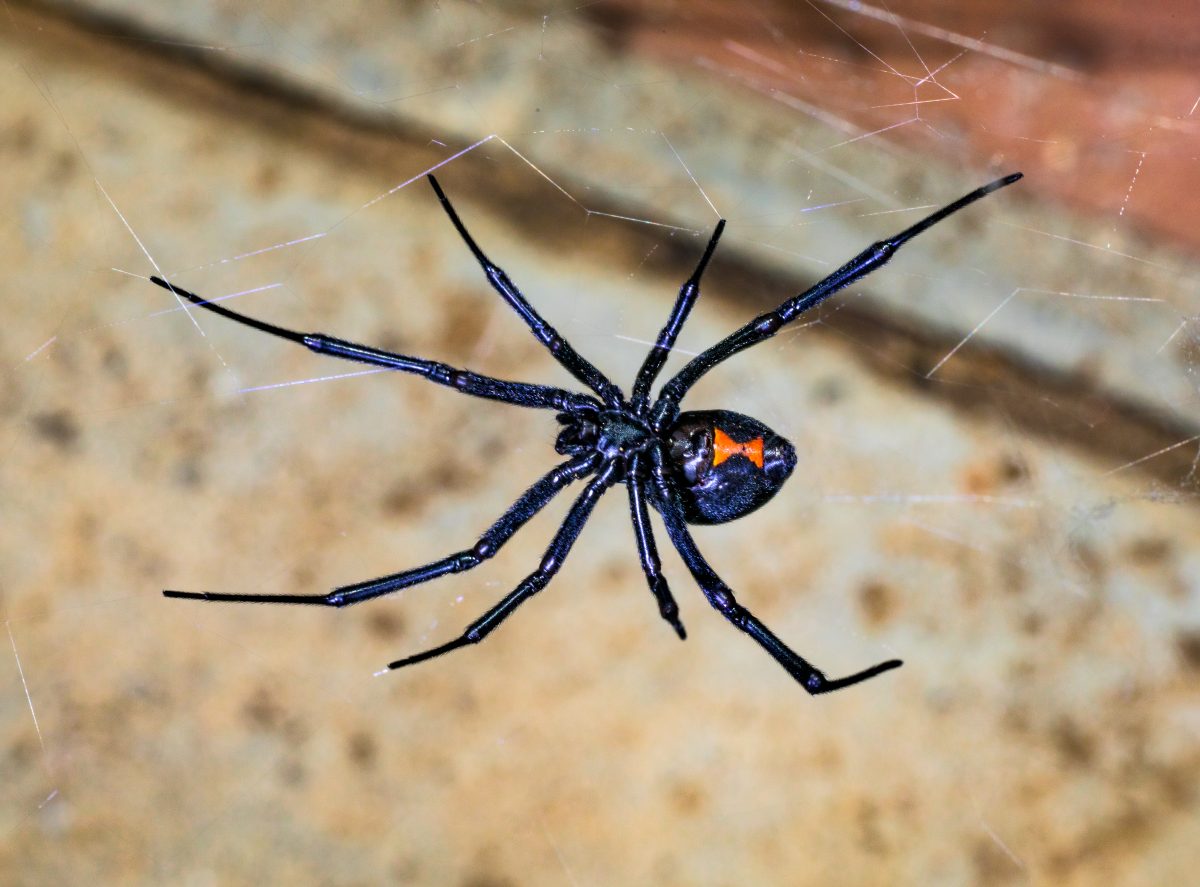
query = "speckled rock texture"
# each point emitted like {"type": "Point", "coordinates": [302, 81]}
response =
{"type": "Point", "coordinates": [992, 523]}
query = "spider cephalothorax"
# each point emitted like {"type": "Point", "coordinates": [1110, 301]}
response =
{"type": "Point", "coordinates": [617, 435]}
{"type": "Point", "coordinates": [700, 467]}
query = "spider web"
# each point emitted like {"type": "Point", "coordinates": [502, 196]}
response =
{"type": "Point", "coordinates": [998, 443]}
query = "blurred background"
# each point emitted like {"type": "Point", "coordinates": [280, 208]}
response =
{"type": "Point", "coordinates": [998, 438]}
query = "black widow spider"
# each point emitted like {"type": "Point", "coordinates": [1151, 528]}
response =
{"type": "Point", "coordinates": [704, 467]}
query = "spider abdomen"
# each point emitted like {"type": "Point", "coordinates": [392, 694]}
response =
{"type": "Point", "coordinates": [726, 464]}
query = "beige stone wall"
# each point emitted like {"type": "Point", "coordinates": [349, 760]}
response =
{"type": "Point", "coordinates": [991, 520]}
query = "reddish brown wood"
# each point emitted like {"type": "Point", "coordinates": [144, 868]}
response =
{"type": "Point", "coordinates": [1098, 107]}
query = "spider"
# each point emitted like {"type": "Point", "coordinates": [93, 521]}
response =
{"type": "Point", "coordinates": [696, 467]}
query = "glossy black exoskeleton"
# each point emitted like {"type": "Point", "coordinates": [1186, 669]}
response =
{"type": "Point", "coordinates": [727, 464]}
{"type": "Point", "coordinates": [700, 467]}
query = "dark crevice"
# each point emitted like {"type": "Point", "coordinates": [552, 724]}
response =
{"type": "Point", "coordinates": [983, 381]}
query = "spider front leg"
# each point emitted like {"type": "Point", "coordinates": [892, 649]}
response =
{"type": "Point", "coordinates": [657, 355]}
{"type": "Point", "coordinates": [721, 597]}
{"type": "Point", "coordinates": [574, 362]}
{"type": "Point", "coordinates": [535, 581]}
{"type": "Point", "coordinates": [518, 514]}
{"type": "Point", "coordinates": [648, 551]}
{"type": "Point", "coordinates": [767, 325]}
{"type": "Point", "coordinates": [518, 393]}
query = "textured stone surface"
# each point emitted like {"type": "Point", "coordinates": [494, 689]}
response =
{"type": "Point", "coordinates": [1044, 727]}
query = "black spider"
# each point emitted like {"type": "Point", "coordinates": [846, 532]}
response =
{"type": "Point", "coordinates": [704, 467]}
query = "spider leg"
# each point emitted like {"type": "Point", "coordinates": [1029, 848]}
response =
{"type": "Point", "coordinates": [648, 551]}
{"type": "Point", "coordinates": [575, 363]}
{"type": "Point", "coordinates": [519, 393]}
{"type": "Point", "coordinates": [766, 325]}
{"type": "Point", "coordinates": [535, 581]}
{"type": "Point", "coordinates": [518, 514]}
{"type": "Point", "coordinates": [688, 293]}
{"type": "Point", "coordinates": [721, 597]}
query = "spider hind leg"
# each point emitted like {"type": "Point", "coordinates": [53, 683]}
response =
{"type": "Point", "coordinates": [648, 551]}
{"type": "Point", "coordinates": [722, 599]}
{"type": "Point", "coordinates": [518, 514]}
{"type": "Point", "coordinates": [553, 559]}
